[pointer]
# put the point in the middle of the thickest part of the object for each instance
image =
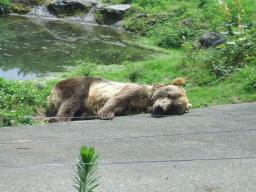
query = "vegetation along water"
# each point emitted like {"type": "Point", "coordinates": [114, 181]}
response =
{"type": "Point", "coordinates": [169, 32]}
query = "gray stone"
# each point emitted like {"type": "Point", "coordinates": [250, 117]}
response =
{"type": "Point", "coordinates": [211, 39]}
{"type": "Point", "coordinates": [28, 2]}
{"type": "Point", "coordinates": [24, 6]}
{"type": "Point", "coordinates": [62, 8]}
{"type": "Point", "coordinates": [119, 7]}
{"type": "Point", "coordinates": [109, 15]}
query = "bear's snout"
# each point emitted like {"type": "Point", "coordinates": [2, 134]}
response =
{"type": "Point", "coordinates": [157, 111]}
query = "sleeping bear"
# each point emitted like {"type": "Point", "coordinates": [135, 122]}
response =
{"type": "Point", "coordinates": [91, 98]}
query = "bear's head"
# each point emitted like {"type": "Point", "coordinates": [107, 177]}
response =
{"type": "Point", "coordinates": [170, 99]}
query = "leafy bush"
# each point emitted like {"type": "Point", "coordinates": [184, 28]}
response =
{"type": "Point", "coordinates": [4, 6]}
{"type": "Point", "coordinates": [167, 29]}
{"type": "Point", "coordinates": [142, 22]}
{"type": "Point", "coordinates": [173, 38]}
{"type": "Point", "coordinates": [194, 67]}
{"type": "Point", "coordinates": [17, 93]}
{"type": "Point", "coordinates": [202, 3]}
{"type": "Point", "coordinates": [208, 67]}
{"type": "Point", "coordinates": [170, 23]}
{"type": "Point", "coordinates": [139, 24]}
{"type": "Point", "coordinates": [14, 118]}
{"type": "Point", "coordinates": [250, 85]}
{"type": "Point", "coordinates": [233, 55]}
{"type": "Point", "coordinates": [20, 100]}
{"type": "Point", "coordinates": [135, 75]}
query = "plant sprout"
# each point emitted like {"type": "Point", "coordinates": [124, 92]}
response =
{"type": "Point", "coordinates": [86, 179]}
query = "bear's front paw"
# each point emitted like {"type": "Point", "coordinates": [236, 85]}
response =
{"type": "Point", "coordinates": [53, 120]}
{"type": "Point", "coordinates": [106, 115]}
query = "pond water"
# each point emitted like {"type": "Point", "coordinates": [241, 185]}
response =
{"type": "Point", "coordinates": [33, 47]}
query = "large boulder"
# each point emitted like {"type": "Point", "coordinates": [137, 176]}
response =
{"type": "Point", "coordinates": [109, 15]}
{"type": "Point", "coordinates": [29, 2]}
{"type": "Point", "coordinates": [211, 39]}
{"type": "Point", "coordinates": [20, 8]}
{"type": "Point", "coordinates": [62, 8]}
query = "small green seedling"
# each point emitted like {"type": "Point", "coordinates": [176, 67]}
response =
{"type": "Point", "coordinates": [86, 179]}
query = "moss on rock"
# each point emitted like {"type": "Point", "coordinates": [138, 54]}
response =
{"type": "Point", "coordinates": [111, 14]}
{"type": "Point", "coordinates": [63, 8]}
{"type": "Point", "coordinates": [20, 8]}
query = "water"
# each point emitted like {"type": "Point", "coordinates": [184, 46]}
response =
{"type": "Point", "coordinates": [39, 11]}
{"type": "Point", "coordinates": [33, 47]}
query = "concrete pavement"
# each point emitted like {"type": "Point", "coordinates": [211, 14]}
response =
{"type": "Point", "coordinates": [206, 150]}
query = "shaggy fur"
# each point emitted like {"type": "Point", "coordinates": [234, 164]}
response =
{"type": "Point", "coordinates": [94, 97]}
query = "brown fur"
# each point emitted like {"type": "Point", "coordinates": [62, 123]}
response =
{"type": "Point", "coordinates": [89, 97]}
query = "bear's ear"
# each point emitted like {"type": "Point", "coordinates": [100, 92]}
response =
{"type": "Point", "coordinates": [179, 81]}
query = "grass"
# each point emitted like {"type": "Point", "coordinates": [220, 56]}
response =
{"type": "Point", "coordinates": [163, 69]}
{"type": "Point", "coordinates": [157, 70]}
{"type": "Point", "coordinates": [4, 6]}
{"type": "Point", "coordinates": [19, 100]}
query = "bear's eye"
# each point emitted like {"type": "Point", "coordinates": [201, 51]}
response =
{"type": "Point", "coordinates": [173, 96]}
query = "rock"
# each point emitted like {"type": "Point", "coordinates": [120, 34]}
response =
{"type": "Point", "coordinates": [29, 2]}
{"type": "Point", "coordinates": [119, 7]}
{"type": "Point", "coordinates": [24, 6]}
{"type": "Point", "coordinates": [62, 8]}
{"type": "Point", "coordinates": [109, 15]}
{"type": "Point", "coordinates": [211, 39]}
{"type": "Point", "coordinates": [21, 8]}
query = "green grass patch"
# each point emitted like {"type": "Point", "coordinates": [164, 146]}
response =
{"type": "Point", "coordinates": [20, 100]}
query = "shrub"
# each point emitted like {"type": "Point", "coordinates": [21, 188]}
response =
{"type": "Point", "coordinates": [11, 118]}
{"type": "Point", "coordinates": [4, 6]}
{"type": "Point", "coordinates": [250, 86]}
{"type": "Point", "coordinates": [194, 67]}
{"type": "Point", "coordinates": [84, 68]}
{"type": "Point", "coordinates": [135, 75]}
{"type": "Point", "coordinates": [173, 34]}
{"type": "Point", "coordinates": [202, 3]}
{"type": "Point", "coordinates": [140, 23]}
{"type": "Point", "coordinates": [205, 67]}
{"type": "Point", "coordinates": [170, 38]}
{"type": "Point", "coordinates": [20, 100]}
{"type": "Point", "coordinates": [167, 29]}
{"type": "Point", "coordinates": [233, 55]}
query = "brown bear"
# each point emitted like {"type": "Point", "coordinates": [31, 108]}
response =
{"type": "Point", "coordinates": [88, 97]}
